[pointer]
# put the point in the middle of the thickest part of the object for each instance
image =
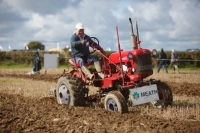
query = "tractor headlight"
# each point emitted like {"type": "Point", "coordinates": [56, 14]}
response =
{"type": "Point", "coordinates": [133, 69]}
{"type": "Point", "coordinates": [130, 55]}
{"type": "Point", "coordinates": [125, 68]}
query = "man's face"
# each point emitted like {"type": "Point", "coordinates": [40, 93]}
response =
{"type": "Point", "coordinates": [80, 32]}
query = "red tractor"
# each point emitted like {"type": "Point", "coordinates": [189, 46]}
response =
{"type": "Point", "coordinates": [124, 81]}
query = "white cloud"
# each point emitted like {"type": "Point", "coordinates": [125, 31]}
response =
{"type": "Point", "coordinates": [36, 21]}
{"type": "Point", "coordinates": [150, 11]}
{"type": "Point", "coordinates": [118, 15]}
{"type": "Point", "coordinates": [130, 9]}
{"type": "Point", "coordinates": [185, 19]}
{"type": "Point", "coordinates": [147, 36]}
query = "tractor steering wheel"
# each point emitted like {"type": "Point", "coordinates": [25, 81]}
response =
{"type": "Point", "coordinates": [95, 40]}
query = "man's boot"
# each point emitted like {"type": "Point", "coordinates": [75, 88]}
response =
{"type": "Point", "coordinates": [87, 72]}
{"type": "Point", "coordinates": [98, 68]}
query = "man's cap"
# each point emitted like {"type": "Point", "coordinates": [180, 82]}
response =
{"type": "Point", "coordinates": [79, 26]}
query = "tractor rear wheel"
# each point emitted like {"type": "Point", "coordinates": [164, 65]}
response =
{"type": "Point", "coordinates": [115, 101]}
{"type": "Point", "coordinates": [70, 91]}
{"type": "Point", "coordinates": [165, 96]}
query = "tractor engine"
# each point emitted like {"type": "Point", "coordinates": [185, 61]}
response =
{"type": "Point", "coordinates": [136, 64]}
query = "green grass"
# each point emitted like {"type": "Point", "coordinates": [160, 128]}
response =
{"type": "Point", "coordinates": [190, 68]}
{"type": "Point", "coordinates": [14, 66]}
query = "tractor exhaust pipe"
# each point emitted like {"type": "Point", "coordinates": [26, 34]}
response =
{"type": "Point", "coordinates": [133, 39]}
{"type": "Point", "coordinates": [137, 37]}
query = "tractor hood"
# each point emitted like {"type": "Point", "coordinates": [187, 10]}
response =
{"type": "Point", "coordinates": [126, 55]}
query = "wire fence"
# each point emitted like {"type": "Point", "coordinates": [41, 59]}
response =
{"type": "Point", "coordinates": [178, 60]}
{"type": "Point", "coordinates": [181, 63]}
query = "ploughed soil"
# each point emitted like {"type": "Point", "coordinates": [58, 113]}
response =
{"type": "Point", "coordinates": [24, 114]}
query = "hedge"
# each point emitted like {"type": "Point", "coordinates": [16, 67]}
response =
{"type": "Point", "coordinates": [26, 57]}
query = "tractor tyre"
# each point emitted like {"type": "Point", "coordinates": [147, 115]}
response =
{"type": "Point", "coordinates": [165, 96]}
{"type": "Point", "coordinates": [70, 91]}
{"type": "Point", "coordinates": [115, 101]}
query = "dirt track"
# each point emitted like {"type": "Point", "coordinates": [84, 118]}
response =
{"type": "Point", "coordinates": [24, 114]}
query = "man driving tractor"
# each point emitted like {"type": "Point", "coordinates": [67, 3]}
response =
{"type": "Point", "coordinates": [80, 43]}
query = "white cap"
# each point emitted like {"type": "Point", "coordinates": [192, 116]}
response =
{"type": "Point", "coordinates": [172, 50]}
{"type": "Point", "coordinates": [79, 26]}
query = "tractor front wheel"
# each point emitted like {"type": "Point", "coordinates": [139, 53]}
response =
{"type": "Point", "coordinates": [115, 101]}
{"type": "Point", "coordinates": [165, 96]}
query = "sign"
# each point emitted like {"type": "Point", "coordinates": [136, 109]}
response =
{"type": "Point", "coordinates": [144, 94]}
{"type": "Point", "coordinates": [51, 61]}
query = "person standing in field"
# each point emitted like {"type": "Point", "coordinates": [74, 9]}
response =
{"type": "Point", "coordinates": [174, 60]}
{"type": "Point", "coordinates": [162, 60]}
{"type": "Point", "coordinates": [36, 64]}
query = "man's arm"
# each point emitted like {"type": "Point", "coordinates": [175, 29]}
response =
{"type": "Point", "coordinates": [160, 57]}
{"type": "Point", "coordinates": [74, 42]}
{"type": "Point", "coordinates": [91, 42]}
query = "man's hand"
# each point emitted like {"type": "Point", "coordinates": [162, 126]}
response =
{"type": "Point", "coordinates": [83, 41]}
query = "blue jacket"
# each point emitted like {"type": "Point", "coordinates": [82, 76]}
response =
{"type": "Point", "coordinates": [162, 57]}
{"type": "Point", "coordinates": [78, 49]}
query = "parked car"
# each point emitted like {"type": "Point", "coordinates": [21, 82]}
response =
{"type": "Point", "coordinates": [192, 50]}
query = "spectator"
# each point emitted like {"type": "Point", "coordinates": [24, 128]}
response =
{"type": "Point", "coordinates": [174, 60]}
{"type": "Point", "coordinates": [36, 64]}
{"type": "Point", "coordinates": [162, 60]}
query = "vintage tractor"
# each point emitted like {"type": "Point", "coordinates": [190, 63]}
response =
{"type": "Point", "coordinates": [124, 81]}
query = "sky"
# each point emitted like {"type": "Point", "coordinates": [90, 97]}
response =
{"type": "Point", "coordinates": [167, 24]}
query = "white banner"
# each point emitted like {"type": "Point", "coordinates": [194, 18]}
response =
{"type": "Point", "coordinates": [144, 94]}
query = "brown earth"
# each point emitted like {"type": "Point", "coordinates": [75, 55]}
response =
{"type": "Point", "coordinates": [21, 114]}
{"type": "Point", "coordinates": [24, 114]}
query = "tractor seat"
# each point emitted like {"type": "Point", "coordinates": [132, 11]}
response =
{"type": "Point", "coordinates": [77, 65]}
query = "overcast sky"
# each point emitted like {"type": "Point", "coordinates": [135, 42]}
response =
{"type": "Point", "coordinates": [162, 23]}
